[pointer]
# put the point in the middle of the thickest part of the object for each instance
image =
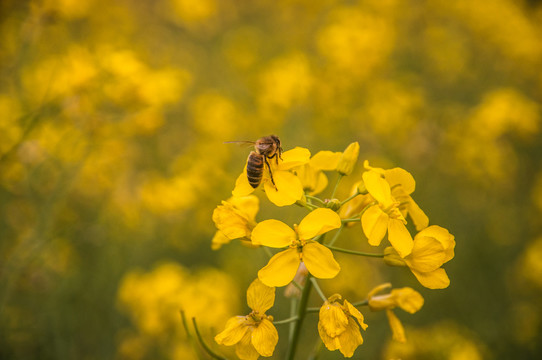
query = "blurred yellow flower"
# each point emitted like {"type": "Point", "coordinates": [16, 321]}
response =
{"type": "Point", "coordinates": [384, 216]}
{"type": "Point", "coordinates": [150, 298]}
{"type": "Point", "coordinates": [433, 247]}
{"type": "Point", "coordinates": [254, 334]}
{"type": "Point", "coordinates": [318, 259]}
{"type": "Point", "coordinates": [286, 81]}
{"type": "Point", "coordinates": [337, 326]}
{"type": "Point", "coordinates": [406, 298]}
{"type": "Point", "coordinates": [235, 219]}
{"type": "Point", "coordinates": [354, 41]}
{"type": "Point", "coordinates": [288, 186]}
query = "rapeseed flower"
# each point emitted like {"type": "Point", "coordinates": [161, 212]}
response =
{"type": "Point", "coordinates": [283, 266]}
{"type": "Point", "coordinates": [384, 216]}
{"type": "Point", "coordinates": [287, 188]}
{"type": "Point", "coordinates": [402, 184]}
{"type": "Point", "coordinates": [254, 334]}
{"type": "Point", "coordinates": [235, 219]}
{"type": "Point", "coordinates": [432, 247]}
{"type": "Point", "coordinates": [337, 326]}
{"type": "Point", "coordinates": [406, 298]}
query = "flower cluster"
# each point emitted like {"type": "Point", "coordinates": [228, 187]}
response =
{"type": "Point", "coordinates": [299, 254]}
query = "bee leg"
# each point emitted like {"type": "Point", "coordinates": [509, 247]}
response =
{"type": "Point", "coordinates": [270, 172]}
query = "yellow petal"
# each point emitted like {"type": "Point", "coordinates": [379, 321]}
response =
{"type": "Point", "coordinates": [398, 176]}
{"type": "Point", "coordinates": [218, 240]}
{"type": "Point", "coordinates": [427, 254]}
{"type": "Point", "coordinates": [242, 187]}
{"type": "Point", "coordinates": [273, 233]}
{"type": "Point", "coordinates": [375, 224]}
{"type": "Point", "coordinates": [350, 339]}
{"type": "Point", "coordinates": [326, 160]}
{"type": "Point", "coordinates": [444, 237]}
{"type": "Point", "coordinates": [235, 329]}
{"type": "Point", "coordinates": [396, 327]}
{"type": "Point", "coordinates": [356, 313]}
{"type": "Point", "coordinates": [288, 188]}
{"type": "Point", "coordinates": [295, 157]}
{"type": "Point", "coordinates": [399, 237]}
{"type": "Point", "coordinates": [280, 269]}
{"type": "Point", "coordinates": [232, 222]}
{"type": "Point", "coordinates": [331, 343]}
{"type": "Point", "coordinates": [417, 215]}
{"type": "Point", "coordinates": [437, 279]}
{"type": "Point", "coordinates": [260, 297]}
{"type": "Point", "coordinates": [408, 299]}
{"type": "Point", "coordinates": [332, 319]}
{"type": "Point", "coordinates": [378, 187]}
{"type": "Point", "coordinates": [378, 288]}
{"type": "Point", "coordinates": [248, 205]}
{"type": "Point", "coordinates": [245, 350]}
{"type": "Point", "coordinates": [317, 222]}
{"type": "Point", "coordinates": [319, 261]}
{"type": "Point", "coordinates": [265, 338]}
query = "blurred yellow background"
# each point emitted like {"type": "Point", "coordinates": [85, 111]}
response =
{"type": "Point", "coordinates": [112, 122]}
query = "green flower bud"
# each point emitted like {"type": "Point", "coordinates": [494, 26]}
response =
{"type": "Point", "coordinates": [333, 204]}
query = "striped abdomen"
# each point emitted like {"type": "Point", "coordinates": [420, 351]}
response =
{"type": "Point", "coordinates": [254, 169]}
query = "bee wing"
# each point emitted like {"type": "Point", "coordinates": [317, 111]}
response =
{"type": "Point", "coordinates": [241, 142]}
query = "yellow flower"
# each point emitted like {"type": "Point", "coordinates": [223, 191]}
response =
{"type": "Point", "coordinates": [406, 298]}
{"type": "Point", "coordinates": [384, 216]}
{"type": "Point", "coordinates": [235, 219]}
{"type": "Point", "coordinates": [433, 246]}
{"type": "Point", "coordinates": [288, 186]}
{"type": "Point", "coordinates": [342, 162]}
{"type": "Point", "coordinates": [283, 266]}
{"type": "Point", "coordinates": [402, 184]}
{"type": "Point", "coordinates": [338, 328]}
{"type": "Point", "coordinates": [254, 334]}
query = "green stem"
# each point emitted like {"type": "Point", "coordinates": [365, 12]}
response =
{"type": "Point", "coordinates": [285, 321]}
{"type": "Point", "coordinates": [307, 206]}
{"type": "Point", "coordinates": [348, 199]}
{"type": "Point", "coordinates": [291, 327]}
{"type": "Point", "coordinates": [314, 198]}
{"type": "Point", "coordinates": [353, 252]}
{"type": "Point", "coordinates": [300, 317]}
{"type": "Point", "coordinates": [336, 186]}
{"type": "Point", "coordinates": [357, 219]}
{"type": "Point", "coordinates": [317, 288]}
{"type": "Point", "coordinates": [336, 236]}
{"type": "Point", "coordinates": [204, 345]}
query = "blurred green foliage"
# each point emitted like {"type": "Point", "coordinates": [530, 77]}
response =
{"type": "Point", "coordinates": [112, 122]}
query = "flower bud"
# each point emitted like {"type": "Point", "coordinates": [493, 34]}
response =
{"type": "Point", "coordinates": [333, 204]}
{"type": "Point", "coordinates": [348, 159]}
{"type": "Point", "coordinates": [392, 258]}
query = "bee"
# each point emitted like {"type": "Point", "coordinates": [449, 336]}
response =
{"type": "Point", "coordinates": [265, 148]}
